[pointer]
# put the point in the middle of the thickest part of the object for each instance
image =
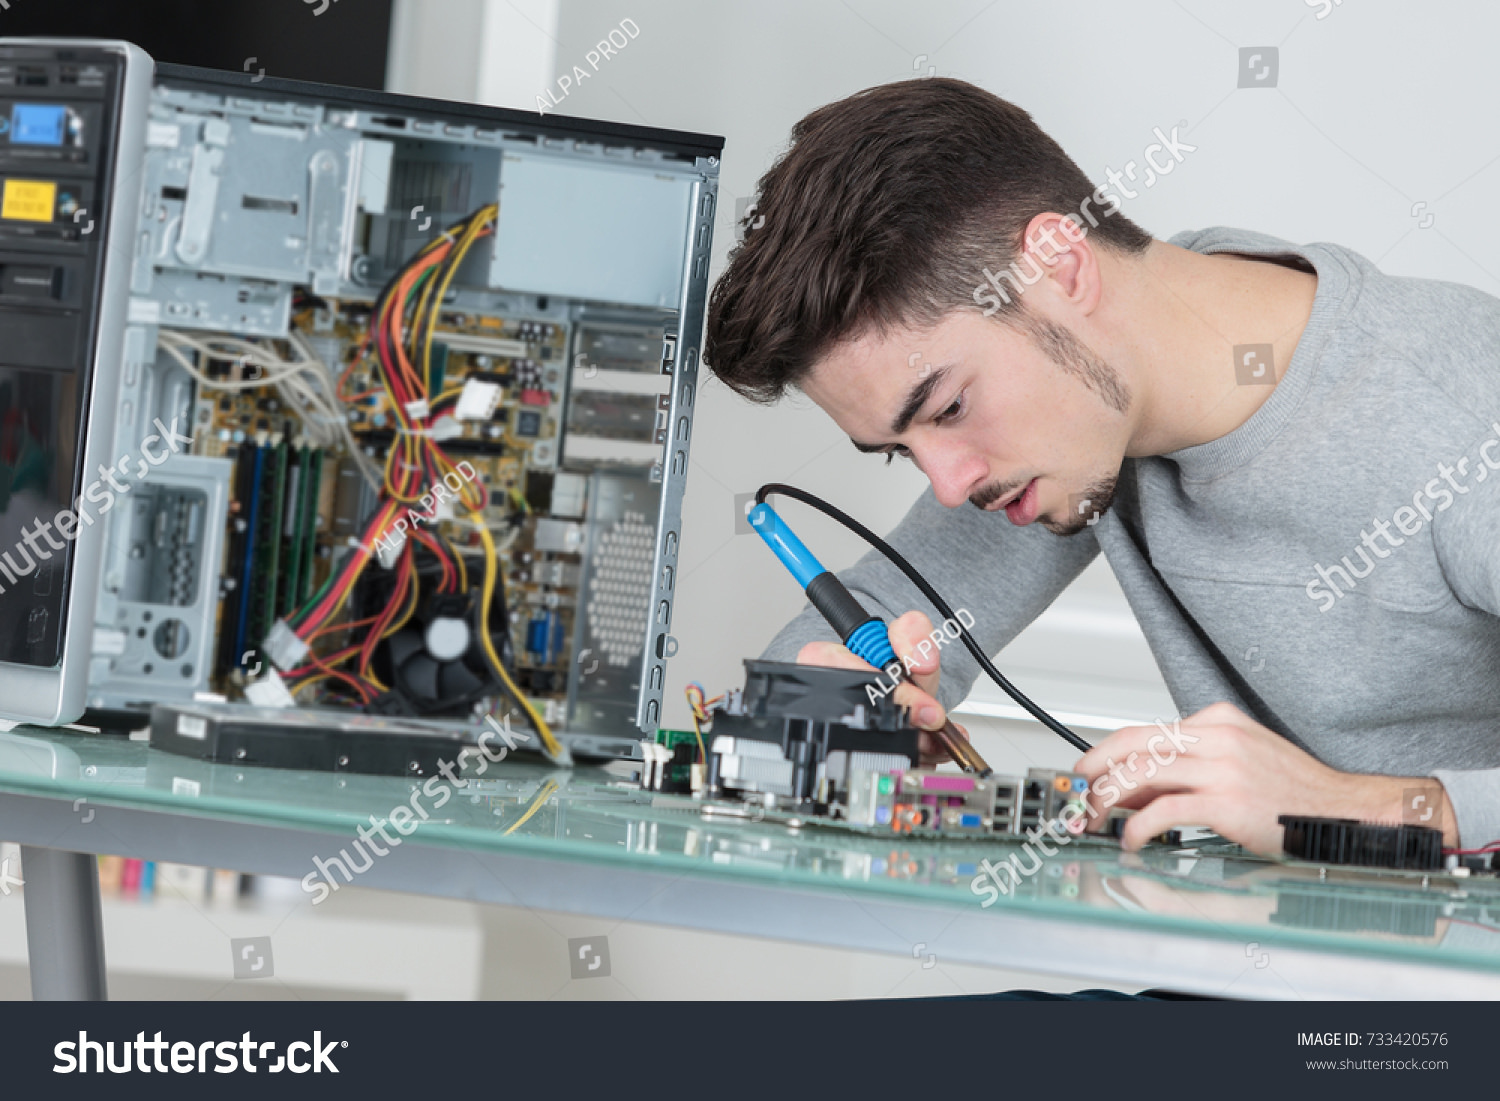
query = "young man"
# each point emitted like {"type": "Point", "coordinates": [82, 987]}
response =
{"type": "Point", "coordinates": [1290, 460]}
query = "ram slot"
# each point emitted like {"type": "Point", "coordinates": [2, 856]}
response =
{"type": "Point", "coordinates": [266, 529]}
{"type": "Point", "coordinates": [291, 533]}
{"type": "Point", "coordinates": [314, 480]}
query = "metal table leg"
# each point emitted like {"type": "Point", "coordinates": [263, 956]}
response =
{"type": "Point", "coordinates": [64, 927]}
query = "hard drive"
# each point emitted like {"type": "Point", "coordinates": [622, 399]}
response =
{"type": "Point", "coordinates": [319, 739]}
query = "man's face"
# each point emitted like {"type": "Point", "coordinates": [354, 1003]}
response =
{"type": "Point", "coordinates": [1033, 422]}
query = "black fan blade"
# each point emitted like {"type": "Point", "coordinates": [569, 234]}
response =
{"type": "Point", "coordinates": [403, 645]}
{"type": "Point", "coordinates": [419, 677]}
{"type": "Point", "coordinates": [458, 682]}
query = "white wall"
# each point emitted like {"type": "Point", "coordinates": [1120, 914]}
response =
{"type": "Point", "coordinates": [499, 52]}
{"type": "Point", "coordinates": [1378, 106]}
{"type": "Point", "coordinates": [434, 48]}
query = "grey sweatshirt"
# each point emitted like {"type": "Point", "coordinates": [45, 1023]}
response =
{"type": "Point", "coordinates": [1346, 537]}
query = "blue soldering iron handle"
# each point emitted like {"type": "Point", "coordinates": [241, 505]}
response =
{"type": "Point", "coordinates": [783, 541]}
{"type": "Point", "coordinates": [863, 633]}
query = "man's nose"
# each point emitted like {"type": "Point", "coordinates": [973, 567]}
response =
{"type": "Point", "coordinates": [953, 474]}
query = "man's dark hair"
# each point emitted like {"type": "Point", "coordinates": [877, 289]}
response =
{"type": "Point", "coordinates": [884, 212]}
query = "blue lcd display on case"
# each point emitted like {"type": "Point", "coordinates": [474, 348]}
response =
{"type": "Point", "coordinates": [38, 124]}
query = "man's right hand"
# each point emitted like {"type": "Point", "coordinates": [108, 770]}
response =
{"type": "Point", "coordinates": [918, 693]}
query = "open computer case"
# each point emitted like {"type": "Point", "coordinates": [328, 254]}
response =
{"type": "Point", "coordinates": [276, 316]}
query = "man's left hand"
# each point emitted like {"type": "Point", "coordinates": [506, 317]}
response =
{"type": "Point", "coordinates": [1221, 769]}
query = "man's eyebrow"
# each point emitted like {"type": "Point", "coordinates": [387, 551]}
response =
{"type": "Point", "coordinates": [915, 400]}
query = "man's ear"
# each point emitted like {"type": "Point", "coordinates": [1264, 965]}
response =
{"type": "Point", "coordinates": [1059, 246]}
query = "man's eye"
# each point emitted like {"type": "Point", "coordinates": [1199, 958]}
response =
{"type": "Point", "coordinates": [894, 450]}
{"type": "Point", "coordinates": [952, 411]}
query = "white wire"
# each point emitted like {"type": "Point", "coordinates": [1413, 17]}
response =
{"type": "Point", "coordinates": [502, 545]}
{"type": "Point", "coordinates": [173, 343]}
{"type": "Point", "coordinates": [306, 383]}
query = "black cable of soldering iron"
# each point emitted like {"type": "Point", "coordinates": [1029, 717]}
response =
{"type": "Point", "coordinates": [931, 594]}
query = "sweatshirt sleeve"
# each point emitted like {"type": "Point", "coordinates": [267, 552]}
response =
{"type": "Point", "coordinates": [1004, 577]}
{"type": "Point", "coordinates": [1475, 794]}
{"type": "Point", "coordinates": [1467, 541]}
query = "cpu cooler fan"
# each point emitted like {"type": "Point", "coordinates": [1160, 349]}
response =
{"type": "Point", "coordinates": [437, 662]}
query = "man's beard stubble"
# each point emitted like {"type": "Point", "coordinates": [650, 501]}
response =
{"type": "Point", "coordinates": [1073, 357]}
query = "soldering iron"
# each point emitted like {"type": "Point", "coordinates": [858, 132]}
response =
{"type": "Point", "coordinates": [866, 635]}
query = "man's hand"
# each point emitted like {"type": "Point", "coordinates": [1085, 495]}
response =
{"type": "Point", "coordinates": [1222, 769]}
{"type": "Point", "coordinates": [918, 694]}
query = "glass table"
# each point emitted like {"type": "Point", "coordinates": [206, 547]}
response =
{"type": "Point", "coordinates": [1206, 919]}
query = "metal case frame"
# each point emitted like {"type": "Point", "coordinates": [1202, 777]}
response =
{"type": "Point", "coordinates": [686, 155]}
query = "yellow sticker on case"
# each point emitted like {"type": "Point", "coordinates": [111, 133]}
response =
{"type": "Point", "coordinates": [28, 200]}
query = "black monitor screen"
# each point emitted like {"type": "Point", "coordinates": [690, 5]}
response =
{"type": "Point", "coordinates": [329, 41]}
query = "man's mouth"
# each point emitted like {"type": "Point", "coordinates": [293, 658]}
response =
{"type": "Point", "coordinates": [1009, 499]}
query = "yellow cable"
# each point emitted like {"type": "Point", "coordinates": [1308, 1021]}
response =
{"type": "Point", "coordinates": [309, 681]}
{"type": "Point", "coordinates": [702, 753]}
{"type": "Point", "coordinates": [470, 235]}
{"type": "Point", "coordinates": [403, 444]}
{"type": "Point", "coordinates": [695, 696]}
{"type": "Point", "coordinates": [390, 457]}
{"type": "Point", "coordinates": [333, 613]}
{"type": "Point", "coordinates": [490, 569]}
{"type": "Point", "coordinates": [537, 803]}
{"type": "Point", "coordinates": [472, 495]}
{"type": "Point", "coordinates": [411, 609]}
{"type": "Point", "coordinates": [416, 316]}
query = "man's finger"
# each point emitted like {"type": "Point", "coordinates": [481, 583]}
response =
{"type": "Point", "coordinates": [931, 751]}
{"type": "Point", "coordinates": [1165, 813]}
{"type": "Point", "coordinates": [912, 639]}
{"type": "Point", "coordinates": [1101, 805]}
{"type": "Point", "coordinates": [831, 655]}
{"type": "Point", "coordinates": [1161, 741]}
{"type": "Point", "coordinates": [923, 711]}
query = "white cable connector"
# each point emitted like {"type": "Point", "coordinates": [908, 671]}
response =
{"type": "Point", "coordinates": [445, 428]}
{"type": "Point", "coordinates": [478, 401]}
{"type": "Point", "coordinates": [654, 761]}
{"type": "Point", "coordinates": [269, 691]}
{"type": "Point", "coordinates": [388, 549]}
{"type": "Point", "coordinates": [282, 646]}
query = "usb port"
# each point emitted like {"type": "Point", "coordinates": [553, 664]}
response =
{"type": "Point", "coordinates": [67, 75]}
{"type": "Point", "coordinates": [30, 76]}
